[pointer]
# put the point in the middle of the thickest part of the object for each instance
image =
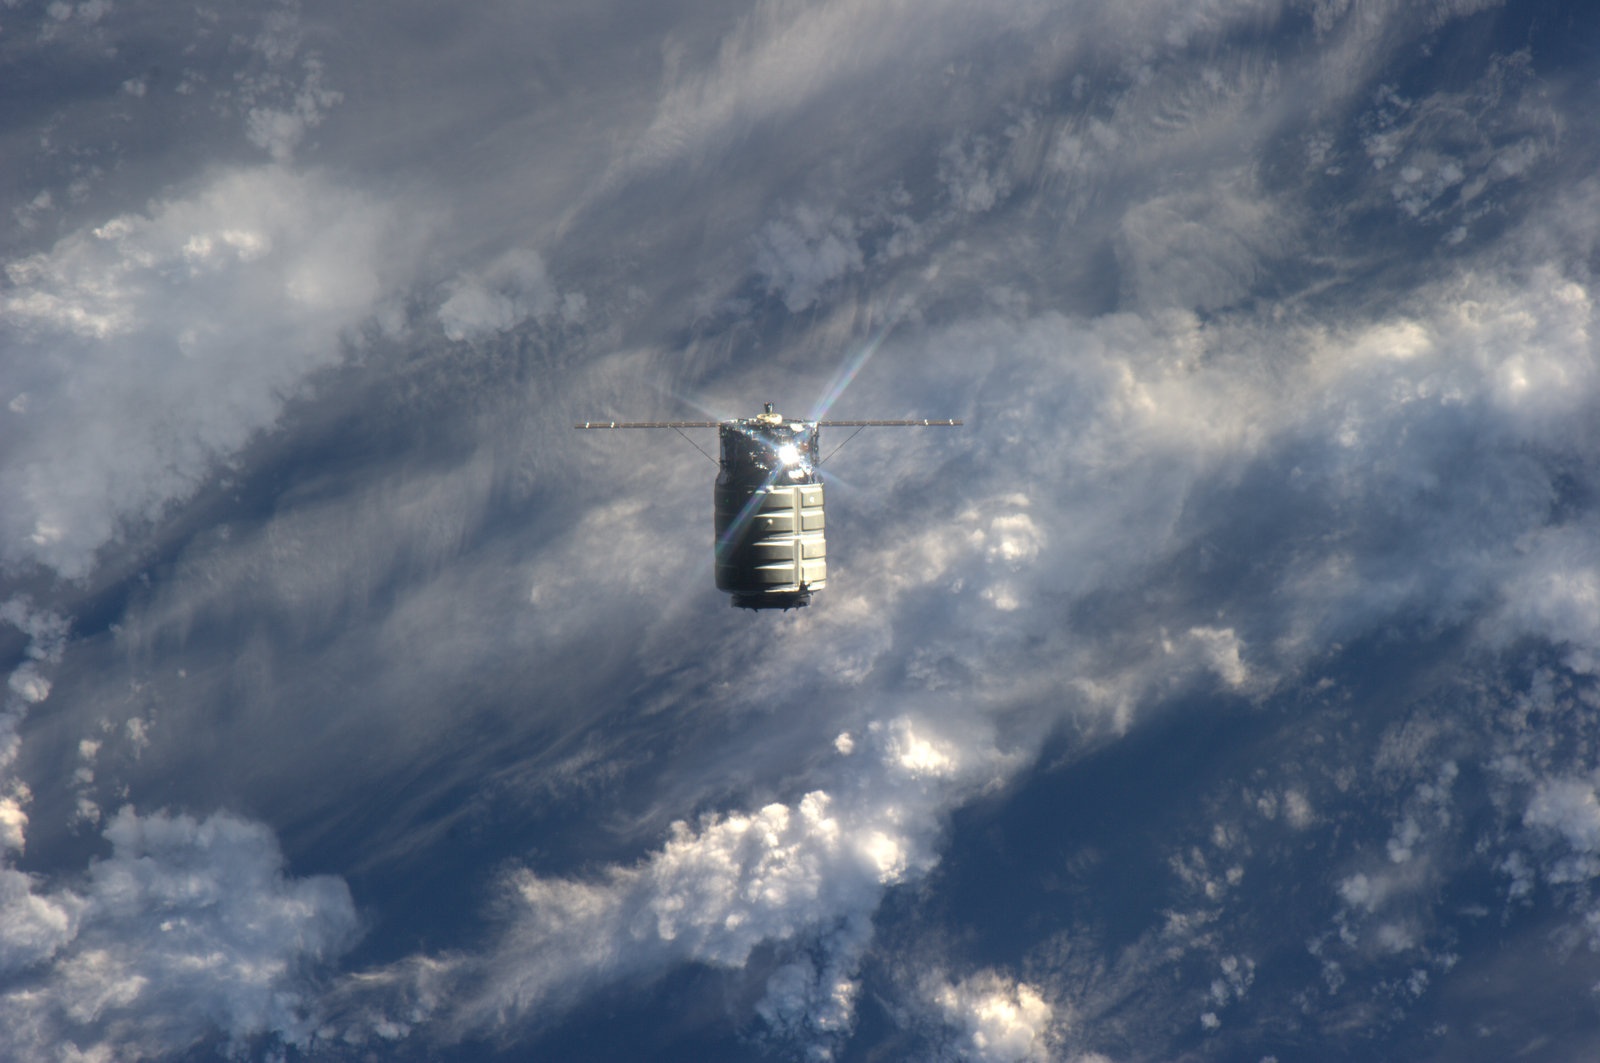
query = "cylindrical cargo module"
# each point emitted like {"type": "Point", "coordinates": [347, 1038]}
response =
{"type": "Point", "coordinates": [771, 552]}
{"type": "Point", "coordinates": [771, 549]}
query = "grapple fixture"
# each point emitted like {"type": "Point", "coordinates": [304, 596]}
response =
{"type": "Point", "coordinates": [771, 548]}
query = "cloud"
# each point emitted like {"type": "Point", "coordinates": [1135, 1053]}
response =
{"type": "Point", "coordinates": [808, 873]}
{"type": "Point", "coordinates": [280, 103]}
{"type": "Point", "coordinates": [160, 342]}
{"type": "Point", "coordinates": [810, 1000]}
{"type": "Point", "coordinates": [1566, 808]}
{"type": "Point", "coordinates": [803, 252]}
{"type": "Point", "coordinates": [512, 289]}
{"type": "Point", "coordinates": [998, 1020]}
{"type": "Point", "coordinates": [778, 59]}
{"type": "Point", "coordinates": [28, 685]}
{"type": "Point", "coordinates": [1453, 156]}
{"type": "Point", "coordinates": [972, 184]}
{"type": "Point", "coordinates": [189, 928]}
{"type": "Point", "coordinates": [1119, 452]}
{"type": "Point", "coordinates": [1553, 591]}
{"type": "Point", "coordinates": [33, 927]}
{"type": "Point", "coordinates": [1144, 503]}
{"type": "Point", "coordinates": [1200, 250]}
{"type": "Point", "coordinates": [279, 130]}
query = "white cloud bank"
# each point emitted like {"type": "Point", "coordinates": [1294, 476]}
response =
{"type": "Point", "coordinates": [143, 351]}
{"type": "Point", "coordinates": [189, 929]}
{"type": "Point", "coordinates": [510, 290]}
{"type": "Point", "coordinates": [804, 877]}
{"type": "Point", "coordinates": [998, 1020]}
{"type": "Point", "coordinates": [719, 888]}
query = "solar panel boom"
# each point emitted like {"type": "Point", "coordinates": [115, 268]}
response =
{"type": "Point", "coordinates": [923, 423]}
{"type": "Point", "coordinates": [647, 424]}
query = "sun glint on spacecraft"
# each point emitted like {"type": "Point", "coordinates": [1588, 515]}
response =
{"type": "Point", "coordinates": [770, 549]}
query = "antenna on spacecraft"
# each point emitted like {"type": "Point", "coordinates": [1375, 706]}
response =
{"type": "Point", "coordinates": [771, 552]}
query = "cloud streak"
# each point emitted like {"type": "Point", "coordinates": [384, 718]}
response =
{"type": "Point", "coordinates": [162, 341]}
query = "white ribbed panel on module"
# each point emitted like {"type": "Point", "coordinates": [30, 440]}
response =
{"type": "Point", "coordinates": [772, 544]}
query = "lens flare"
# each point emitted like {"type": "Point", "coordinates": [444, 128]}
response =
{"type": "Point", "coordinates": [847, 372]}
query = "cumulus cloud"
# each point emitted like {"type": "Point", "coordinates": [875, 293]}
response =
{"type": "Point", "coordinates": [172, 336]}
{"type": "Point", "coordinates": [280, 129]}
{"type": "Point", "coordinates": [1568, 807]}
{"type": "Point", "coordinates": [188, 929]}
{"type": "Point", "coordinates": [1553, 590]}
{"type": "Point", "coordinates": [809, 872]}
{"type": "Point", "coordinates": [34, 926]}
{"type": "Point", "coordinates": [998, 1020]}
{"type": "Point", "coordinates": [280, 89]}
{"type": "Point", "coordinates": [810, 1000]}
{"type": "Point", "coordinates": [512, 289]}
{"type": "Point", "coordinates": [1452, 156]}
{"type": "Point", "coordinates": [803, 252]}
{"type": "Point", "coordinates": [1565, 810]}
{"type": "Point", "coordinates": [971, 180]}
{"type": "Point", "coordinates": [28, 685]}
{"type": "Point", "coordinates": [1218, 648]}
{"type": "Point", "coordinates": [1119, 445]}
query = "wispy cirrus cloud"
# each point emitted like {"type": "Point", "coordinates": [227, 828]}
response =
{"type": "Point", "coordinates": [162, 341]}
